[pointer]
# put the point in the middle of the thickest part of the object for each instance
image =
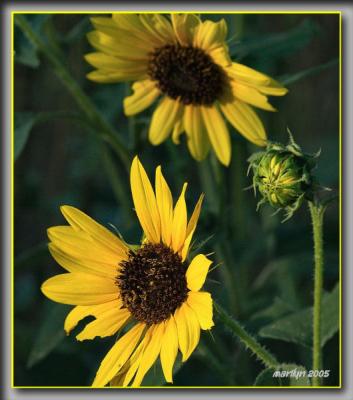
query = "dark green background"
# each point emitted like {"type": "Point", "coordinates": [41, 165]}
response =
{"type": "Point", "coordinates": [270, 262]}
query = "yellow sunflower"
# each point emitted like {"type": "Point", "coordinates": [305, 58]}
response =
{"type": "Point", "coordinates": [149, 290]}
{"type": "Point", "coordinates": [186, 62]}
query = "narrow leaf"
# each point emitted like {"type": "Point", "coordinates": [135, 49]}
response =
{"type": "Point", "coordinates": [24, 51]}
{"type": "Point", "coordinates": [24, 122]}
{"type": "Point", "coordinates": [289, 79]}
{"type": "Point", "coordinates": [50, 334]}
{"type": "Point", "coordinates": [276, 44]}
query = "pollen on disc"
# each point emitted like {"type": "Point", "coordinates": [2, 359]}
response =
{"type": "Point", "coordinates": [152, 283]}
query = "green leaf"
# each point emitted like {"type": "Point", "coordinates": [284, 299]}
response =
{"type": "Point", "coordinates": [50, 334]}
{"type": "Point", "coordinates": [24, 122]}
{"type": "Point", "coordinates": [289, 79]}
{"type": "Point", "coordinates": [276, 44]}
{"type": "Point", "coordinates": [32, 256]}
{"type": "Point", "coordinates": [155, 376]}
{"type": "Point", "coordinates": [286, 375]}
{"type": "Point", "coordinates": [25, 52]}
{"type": "Point", "coordinates": [78, 31]}
{"type": "Point", "coordinates": [297, 327]}
{"type": "Point", "coordinates": [277, 309]}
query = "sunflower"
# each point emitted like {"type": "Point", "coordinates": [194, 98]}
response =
{"type": "Point", "coordinates": [185, 62]}
{"type": "Point", "coordinates": [149, 290]}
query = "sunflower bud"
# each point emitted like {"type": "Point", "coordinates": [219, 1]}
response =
{"type": "Point", "coordinates": [282, 175]}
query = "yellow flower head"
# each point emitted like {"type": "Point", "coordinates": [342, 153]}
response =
{"type": "Point", "coordinates": [149, 290]}
{"type": "Point", "coordinates": [185, 62]}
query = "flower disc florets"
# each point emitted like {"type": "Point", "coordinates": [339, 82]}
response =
{"type": "Point", "coordinates": [282, 175]}
{"type": "Point", "coordinates": [152, 283]}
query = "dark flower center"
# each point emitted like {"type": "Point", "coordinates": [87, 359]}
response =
{"type": "Point", "coordinates": [152, 283]}
{"type": "Point", "coordinates": [187, 73]}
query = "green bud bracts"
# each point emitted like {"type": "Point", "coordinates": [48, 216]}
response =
{"type": "Point", "coordinates": [282, 175]}
{"type": "Point", "coordinates": [280, 178]}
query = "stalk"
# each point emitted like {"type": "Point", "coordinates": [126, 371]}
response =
{"type": "Point", "coordinates": [250, 342]}
{"type": "Point", "coordinates": [83, 101]}
{"type": "Point", "coordinates": [211, 178]}
{"type": "Point", "coordinates": [317, 214]}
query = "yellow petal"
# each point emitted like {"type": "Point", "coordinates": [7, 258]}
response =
{"type": "Point", "coordinates": [164, 117]}
{"type": "Point", "coordinates": [102, 76]}
{"type": "Point", "coordinates": [81, 221]}
{"type": "Point", "coordinates": [220, 55]}
{"type": "Point", "coordinates": [179, 221]}
{"type": "Point", "coordinates": [178, 130]}
{"type": "Point", "coordinates": [184, 27]}
{"type": "Point", "coordinates": [217, 133]}
{"type": "Point", "coordinates": [150, 352]}
{"type": "Point", "coordinates": [198, 142]}
{"type": "Point", "coordinates": [129, 370]}
{"type": "Point", "coordinates": [165, 206]}
{"type": "Point", "coordinates": [192, 226]}
{"type": "Point", "coordinates": [124, 32]}
{"type": "Point", "coordinates": [188, 329]}
{"type": "Point", "coordinates": [201, 303]}
{"type": "Point", "coordinates": [159, 28]}
{"type": "Point", "coordinates": [262, 82]}
{"type": "Point", "coordinates": [81, 312]}
{"type": "Point", "coordinates": [145, 93]}
{"type": "Point", "coordinates": [274, 88]}
{"type": "Point", "coordinates": [80, 289]}
{"type": "Point", "coordinates": [145, 202]}
{"type": "Point", "coordinates": [210, 34]}
{"type": "Point", "coordinates": [118, 355]}
{"type": "Point", "coordinates": [122, 49]}
{"type": "Point", "coordinates": [245, 120]}
{"type": "Point", "coordinates": [105, 25]}
{"type": "Point", "coordinates": [105, 324]}
{"type": "Point", "coordinates": [81, 246]}
{"type": "Point", "coordinates": [248, 75]}
{"type": "Point", "coordinates": [82, 265]}
{"type": "Point", "coordinates": [113, 64]}
{"type": "Point", "coordinates": [197, 272]}
{"type": "Point", "coordinates": [251, 96]}
{"type": "Point", "coordinates": [129, 22]}
{"type": "Point", "coordinates": [169, 348]}
{"type": "Point", "coordinates": [163, 26]}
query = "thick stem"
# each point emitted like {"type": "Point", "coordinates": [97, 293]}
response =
{"type": "Point", "coordinates": [261, 353]}
{"type": "Point", "coordinates": [83, 101]}
{"type": "Point", "coordinates": [317, 214]}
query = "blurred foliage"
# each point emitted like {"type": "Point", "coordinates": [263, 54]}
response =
{"type": "Point", "coordinates": [276, 44]}
{"type": "Point", "coordinates": [25, 53]}
{"type": "Point", "coordinates": [297, 327]}
{"type": "Point", "coordinates": [262, 271]}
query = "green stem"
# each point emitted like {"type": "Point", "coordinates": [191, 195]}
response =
{"type": "Point", "coordinates": [121, 193]}
{"type": "Point", "coordinates": [226, 272]}
{"type": "Point", "coordinates": [212, 182]}
{"type": "Point", "coordinates": [317, 213]}
{"type": "Point", "coordinates": [208, 184]}
{"type": "Point", "coordinates": [260, 352]}
{"type": "Point", "coordinates": [83, 101]}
